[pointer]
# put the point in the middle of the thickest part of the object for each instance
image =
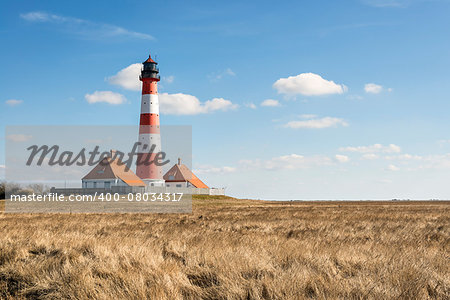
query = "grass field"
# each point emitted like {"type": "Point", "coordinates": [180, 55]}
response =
{"type": "Point", "coordinates": [232, 249]}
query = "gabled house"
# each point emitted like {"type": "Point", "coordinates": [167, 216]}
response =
{"type": "Point", "coordinates": [110, 173]}
{"type": "Point", "coordinates": [180, 176]}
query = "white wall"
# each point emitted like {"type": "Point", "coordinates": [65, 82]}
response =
{"type": "Point", "coordinates": [138, 189]}
{"type": "Point", "coordinates": [178, 184]}
{"type": "Point", "coordinates": [100, 183]}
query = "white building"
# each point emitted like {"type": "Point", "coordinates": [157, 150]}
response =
{"type": "Point", "coordinates": [180, 176]}
{"type": "Point", "coordinates": [110, 173]}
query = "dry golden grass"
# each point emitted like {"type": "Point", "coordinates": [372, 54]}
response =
{"type": "Point", "coordinates": [232, 249]}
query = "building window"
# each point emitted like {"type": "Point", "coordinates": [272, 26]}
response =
{"type": "Point", "coordinates": [95, 185]}
{"type": "Point", "coordinates": [178, 185]}
{"type": "Point", "coordinates": [171, 177]}
{"type": "Point", "coordinates": [107, 185]}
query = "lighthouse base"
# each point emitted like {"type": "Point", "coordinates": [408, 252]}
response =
{"type": "Point", "coordinates": [154, 182]}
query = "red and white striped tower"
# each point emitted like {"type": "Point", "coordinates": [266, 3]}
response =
{"type": "Point", "coordinates": [149, 130]}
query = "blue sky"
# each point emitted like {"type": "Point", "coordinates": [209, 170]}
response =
{"type": "Point", "coordinates": [358, 90]}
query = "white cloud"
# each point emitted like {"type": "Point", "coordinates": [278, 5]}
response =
{"type": "Point", "coordinates": [219, 104]}
{"type": "Point", "coordinates": [220, 75]}
{"type": "Point", "coordinates": [207, 169]}
{"type": "Point", "coordinates": [308, 84]}
{"type": "Point", "coordinates": [169, 79]}
{"type": "Point", "coordinates": [385, 181]}
{"type": "Point", "coordinates": [38, 17]}
{"type": "Point", "coordinates": [128, 78]}
{"type": "Point", "coordinates": [443, 143]}
{"type": "Point", "coordinates": [287, 162]}
{"type": "Point", "coordinates": [270, 102]}
{"type": "Point", "coordinates": [342, 158]}
{"type": "Point", "coordinates": [354, 97]}
{"type": "Point", "coordinates": [2, 167]}
{"type": "Point", "coordinates": [370, 156]}
{"type": "Point", "coordinates": [411, 161]}
{"type": "Point", "coordinates": [404, 157]}
{"type": "Point", "coordinates": [13, 102]}
{"type": "Point", "coordinates": [441, 161]}
{"type": "Point", "coordinates": [84, 28]}
{"type": "Point", "coordinates": [373, 88]}
{"type": "Point", "coordinates": [18, 137]}
{"type": "Point", "coordinates": [317, 123]}
{"type": "Point", "coordinates": [183, 104]}
{"type": "Point", "coordinates": [250, 105]}
{"type": "Point", "coordinates": [230, 72]}
{"type": "Point", "coordinates": [372, 149]}
{"type": "Point", "coordinates": [106, 97]}
{"type": "Point", "coordinates": [308, 116]}
{"type": "Point", "coordinates": [392, 168]}
{"type": "Point", "coordinates": [388, 3]}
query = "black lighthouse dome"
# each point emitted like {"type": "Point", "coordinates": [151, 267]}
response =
{"type": "Point", "coordinates": [150, 70]}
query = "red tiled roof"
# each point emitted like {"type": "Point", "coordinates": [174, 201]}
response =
{"type": "Point", "coordinates": [181, 173]}
{"type": "Point", "coordinates": [149, 59]}
{"type": "Point", "coordinates": [113, 169]}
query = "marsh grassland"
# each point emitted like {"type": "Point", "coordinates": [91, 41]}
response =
{"type": "Point", "coordinates": [232, 249]}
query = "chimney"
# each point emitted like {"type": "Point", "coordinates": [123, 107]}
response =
{"type": "Point", "coordinates": [179, 161]}
{"type": "Point", "coordinates": [112, 152]}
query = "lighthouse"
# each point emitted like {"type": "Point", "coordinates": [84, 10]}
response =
{"type": "Point", "coordinates": [149, 129]}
